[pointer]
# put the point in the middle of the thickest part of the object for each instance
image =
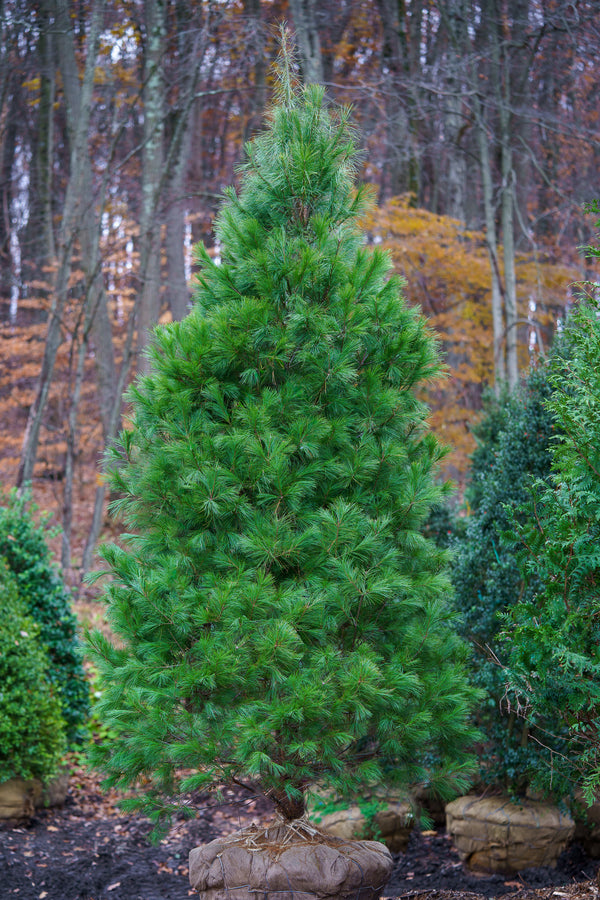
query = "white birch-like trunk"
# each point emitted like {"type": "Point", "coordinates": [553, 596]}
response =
{"type": "Point", "coordinates": [507, 216]}
{"type": "Point", "coordinates": [152, 175]}
{"type": "Point", "coordinates": [491, 240]}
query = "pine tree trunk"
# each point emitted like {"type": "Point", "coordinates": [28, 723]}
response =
{"type": "Point", "coordinates": [289, 809]}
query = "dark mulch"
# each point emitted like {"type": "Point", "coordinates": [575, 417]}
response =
{"type": "Point", "coordinates": [431, 870]}
{"type": "Point", "coordinates": [580, 891]}
{"type": "Point", "coordinates": [89, 850]}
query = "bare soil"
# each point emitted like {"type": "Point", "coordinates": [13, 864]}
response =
{"type": "Point", "coordinates": [91, 850]}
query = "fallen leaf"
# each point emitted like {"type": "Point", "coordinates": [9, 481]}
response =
{"type": "Point", "coordinates": [43, 894]}
{"type": "Point", "coordinates": [52, 828]}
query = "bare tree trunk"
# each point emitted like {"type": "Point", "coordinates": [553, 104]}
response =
{"type": "Point", "coordinates": [402, 165]}
{"type": "Point", "coordinates": [67, 517]}
{"type": "Point", "coordinates": [10, 101]}
{"type": "Point", "coordinates": [37, 239]}
{"type": "Point", "coordinates": [256, 44]}
{"type": "Point", "coordinates": [99, 325]}
{"type": "Point", "coordinates": [45, 141]}
{"type": "Point", "coordinates": [510, 277]}
{"type": "Point", "coordinates": [502, 84]}
{"type": "Point", "coordinates": [179, 148]}
{"type": "Point", "coordinates": [524, 47]}
{"type": "Point", "coordinates": [491, 239]}
{"type": "Point", "coordinates": [178, 294]}
{"type": "Point", "coordinates": [89, 240]}
{"type": "Point", "coordinates": [504, 299]}
{"type": "Point", "coordinates": [307, 40]}
{"type": "Point", "coordinates": [484, 133]}
{"type": "Point", "coordinates": [455, 119]}
{"type": "Point", "coordinates": [175, 161]}
{"type": "Point", "coordinates": [67, 236]}
{"type": "Point", "coordinates": [98, 512]}
{"type": "Point", "coordinates": [152, 173]}
{"type": "Point", "coordinates": [9, 146]}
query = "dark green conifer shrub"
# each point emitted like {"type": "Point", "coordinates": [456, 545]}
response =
{"type": "Point", "coordinates": [281, 619]}
{"type": "Point", "coordinates": [513, 442]}
{"type": "Point", "coordinates": [32, 730]}
{"type": "Point", "coordinates": [23, 545]}
{"type": "Point", "coordinates": [555, 628]}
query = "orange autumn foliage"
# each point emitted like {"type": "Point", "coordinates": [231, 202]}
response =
{"type": "Point", "coordinates": [447, 272]}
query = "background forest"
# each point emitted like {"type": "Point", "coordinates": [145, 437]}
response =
{"type": "Point", "coordinates": [121, 124]}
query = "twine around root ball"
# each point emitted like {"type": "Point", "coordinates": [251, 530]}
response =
{"type": "Point", "coordinates": [291, 857]}
{"type": "Point", "coordinates": [280, 834]}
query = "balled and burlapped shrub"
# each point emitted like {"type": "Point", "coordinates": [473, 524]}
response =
{"type": "Point", "coordinates": [281, 619]}
{"type": "Point", "coordinates": [32, 730]}
{"type": "Point", "coordinates": [24, 547]}
{"type": "Point", "coordinates": [513, 441]}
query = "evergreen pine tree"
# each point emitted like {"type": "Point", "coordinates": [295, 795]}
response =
{"type": "Point", "coordinates": [280, 618]}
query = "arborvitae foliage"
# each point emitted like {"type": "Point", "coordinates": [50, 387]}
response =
{"type": "Point", "coordinates": [281, 620]}
{"type": "Point", "coordinates": [555, 629]}
{"type": "Point", "coordinates": [23, 545]}
{"type": "Point", "coordinates": [32, 730]}
{"type": "Point", "coordinates": [513, 442]}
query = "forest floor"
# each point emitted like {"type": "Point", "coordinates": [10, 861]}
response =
{"type": "Point", "coordinates": [89, 849]}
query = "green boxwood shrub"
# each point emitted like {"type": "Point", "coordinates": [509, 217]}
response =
{"type": "Point", "coordinates": [513, 440]}
{"type": "Point", "coordinates": [555, 629]}
{"type": "Point", "coordinates": [32, 730]}
{"type": "Point", "coordinates": [46, 599]}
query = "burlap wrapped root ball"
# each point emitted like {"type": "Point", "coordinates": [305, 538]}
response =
{"type": "Point", "coordinates": [289, 859]}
